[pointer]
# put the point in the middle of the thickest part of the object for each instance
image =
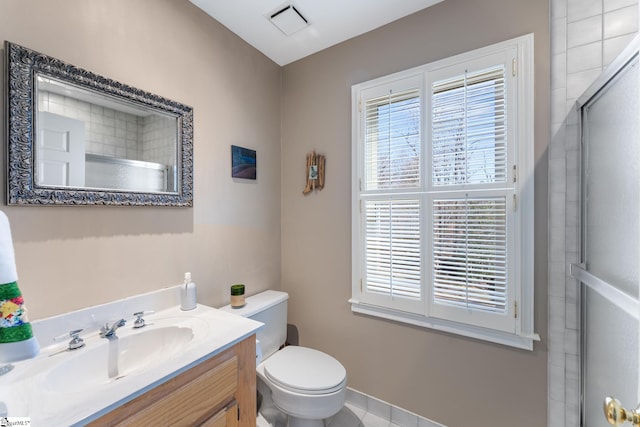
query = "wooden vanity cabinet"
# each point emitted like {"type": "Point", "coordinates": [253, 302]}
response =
{"type": "Point", "coordinates": [218, 392]}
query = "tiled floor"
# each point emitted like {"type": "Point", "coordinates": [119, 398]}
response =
{"type": "Point", "coordinates": [353, 416]}
{"type": "Point", "coordinates": [361, 410]}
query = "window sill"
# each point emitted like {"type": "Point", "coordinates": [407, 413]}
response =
{"type": "Point", "coordinates": [522, 341]}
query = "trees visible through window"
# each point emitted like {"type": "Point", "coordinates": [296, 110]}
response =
{"type": "Point", "coordinates": [440, 154]}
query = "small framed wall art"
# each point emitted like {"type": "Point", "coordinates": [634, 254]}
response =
{"type": "Point", "coordinates": [243, 162]}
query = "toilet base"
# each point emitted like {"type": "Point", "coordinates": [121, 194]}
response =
{"type": "Point", "coordinates": [300, 422]}
{"type": "Point", "coordinates": [272, 416]}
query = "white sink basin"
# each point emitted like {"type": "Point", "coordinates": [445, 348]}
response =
{"type": "Point", "coordinates": [60, 387]}
{"type": "Point", "coordinates": [117, 358]}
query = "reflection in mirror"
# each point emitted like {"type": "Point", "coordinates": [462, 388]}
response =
{"type": "Point", "coordinates": [96, 142]}
{"type": "Point", "coordinates": [79, 138]}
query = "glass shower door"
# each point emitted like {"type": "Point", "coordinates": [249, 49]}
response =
{"type": "Point", "coordinates": [610, 242]}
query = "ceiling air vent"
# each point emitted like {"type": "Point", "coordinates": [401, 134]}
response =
{"type": "Point", "coordinates": [288, 20]}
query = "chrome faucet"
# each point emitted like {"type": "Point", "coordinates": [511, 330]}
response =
{"type": "Point", "coordinates": [76, 342]}
{"type": "Point", "coordinates": [140, 322]}
{"type": "Point", "coordinates": [109, 332]}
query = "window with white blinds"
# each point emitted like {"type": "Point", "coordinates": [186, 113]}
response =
{"type": "Point", "coordinates": [392, 140]}
{"type": "Point", "coordinates": [469, 128]}
{"type": "Point", "coordinates": [393, 248]}
{"type": "Point", "coordinates": [470, 253]}
{"type": "Point", "coordinates": [442, 219]}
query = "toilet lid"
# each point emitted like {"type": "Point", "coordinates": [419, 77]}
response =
{"type": "Point", "coordinates": [305, 370]}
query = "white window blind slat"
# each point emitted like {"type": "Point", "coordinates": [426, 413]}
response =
{"type": "Point", "coordinates": [393, 248]}
{"type": "Point", "coordinates": [469, 253]}
{"type": "Point", "coordinates": [392, 140]}
{"type": "Point", "coordinates": [469, 128]}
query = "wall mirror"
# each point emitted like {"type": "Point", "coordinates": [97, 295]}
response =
{"type": "Point", "coordinates": [77, 138]}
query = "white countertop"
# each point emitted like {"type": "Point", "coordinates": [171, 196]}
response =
{"type": "Point", "coordinates": [29, 391]}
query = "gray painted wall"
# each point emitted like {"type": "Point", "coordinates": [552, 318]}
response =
{"type": "Point", "coordinates": [74, 257]}
{"type": "Point", "coordinates": [446, 378]}
{"type": "Point", "coordinates": [70, 258]}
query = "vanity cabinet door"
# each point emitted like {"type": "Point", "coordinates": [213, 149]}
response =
{"type": "Point", "coordinates": [190, 402]}
{"type": "Point", "coordinates": [228, 417]}
{"type": "Point", "coordinates": [218, 392]}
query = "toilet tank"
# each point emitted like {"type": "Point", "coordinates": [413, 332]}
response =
{"type": "Point", "coordinates": [270, 308]}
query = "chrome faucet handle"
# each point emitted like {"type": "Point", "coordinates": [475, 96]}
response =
{"type": "Point", "coordinates": [76, 342]}
{"type": "Point", "coordinates": [104, 329]}
{"type": "Point", "coordinates": [107, 332]}
{"type": "Point", "coordinates": [139, 322]}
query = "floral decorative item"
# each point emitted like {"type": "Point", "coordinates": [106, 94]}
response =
{"type": "Point", "coordinates": [17, 341]}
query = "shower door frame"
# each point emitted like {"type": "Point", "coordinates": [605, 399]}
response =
{"type": "Point", "coordinates": [578, 271]}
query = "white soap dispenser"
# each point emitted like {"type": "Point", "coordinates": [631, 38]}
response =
{"type": "Point", "coordinates": [188, 298]}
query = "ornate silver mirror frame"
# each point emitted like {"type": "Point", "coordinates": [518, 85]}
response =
{"type": "Point", "coordinates": [24, 67]}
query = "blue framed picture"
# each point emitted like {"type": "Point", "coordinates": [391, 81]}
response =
{"type": "Point", "coordinates": [243, 162]}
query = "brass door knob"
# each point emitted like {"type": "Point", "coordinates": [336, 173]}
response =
{"type": "Point", "coordinates": [617, 415]}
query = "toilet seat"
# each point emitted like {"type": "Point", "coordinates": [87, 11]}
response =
{"type": "Point", "coordinates": [305, 370]}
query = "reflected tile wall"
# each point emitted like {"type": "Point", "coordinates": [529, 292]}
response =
{"type": "Point", "coordinates": [108, 132]}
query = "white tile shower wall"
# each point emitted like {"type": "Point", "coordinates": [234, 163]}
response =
{"type": "Point", "coordinates": [586, 35]}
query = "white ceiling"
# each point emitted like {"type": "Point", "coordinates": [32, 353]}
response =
{"type": "Point", "coordinates": [331, 22]}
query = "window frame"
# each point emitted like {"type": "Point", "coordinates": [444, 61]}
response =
{"type": "Point", "coordinates": [521, 127]}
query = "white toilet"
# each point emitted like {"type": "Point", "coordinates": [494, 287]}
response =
{"type": "Point", "coordinates": [305, 384]}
